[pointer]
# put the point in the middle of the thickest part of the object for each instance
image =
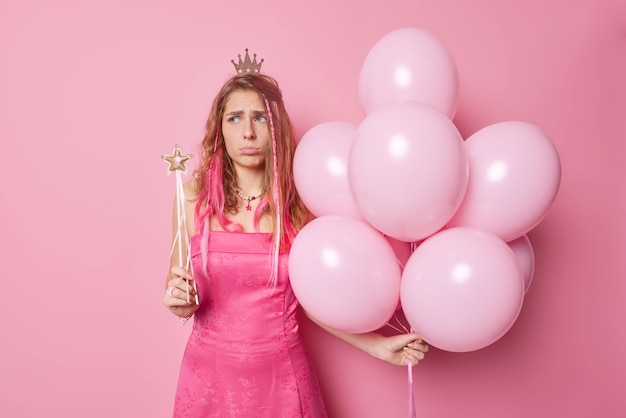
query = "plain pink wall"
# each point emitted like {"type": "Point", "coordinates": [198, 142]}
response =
{"type": "Point", "coordinates": [92, 93]}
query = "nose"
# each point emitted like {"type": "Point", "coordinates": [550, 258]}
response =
{"type": "Point", "coordinates": [248, 130]}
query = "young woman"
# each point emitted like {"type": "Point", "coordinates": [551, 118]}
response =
{"type": "Point", "coordinates": [244, 357]}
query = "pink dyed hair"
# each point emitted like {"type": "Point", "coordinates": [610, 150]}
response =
{"type": "Point", "coordinates": [216, 198]}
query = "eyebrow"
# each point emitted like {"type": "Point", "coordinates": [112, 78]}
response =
{"type": "Point", "coordinates": [241, 112]}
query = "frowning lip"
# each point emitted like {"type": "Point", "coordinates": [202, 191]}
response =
{"type": "Point", "coordinates": [249, 150]}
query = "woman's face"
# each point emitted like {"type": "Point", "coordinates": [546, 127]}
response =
{"type": "Point", "coordinates": [245, 126]}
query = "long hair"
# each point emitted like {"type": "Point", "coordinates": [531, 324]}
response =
{"type": "Point", "coordinates": [215, 177]}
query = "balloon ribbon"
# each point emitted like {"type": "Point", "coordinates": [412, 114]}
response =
{"type": "Point", "coordinates": [411, 399]}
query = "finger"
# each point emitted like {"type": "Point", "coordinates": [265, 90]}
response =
{"type": "Point", "coordinates": [171, 292]}
{"type": "Point", "coordinates": [408, 358]}
{"type": "Point", "coordinates": [176, 271]}
{"type": "Point", "coordinates": [178, 303]}
{"type": "Point", "coordinates": [183, 284]}
{"type": "Point", "coordinates": [173, 299]}
{"type": "Point", "coordinates": [421, 346]}
{"type": "Point", "coordinates": [419, 355]}
{"type": "Point", "coordinates": [176, 293]}
{"type": "Point", "coordinates": [414, 356]}
{"type": "Point", "coordinates": [402, 340]}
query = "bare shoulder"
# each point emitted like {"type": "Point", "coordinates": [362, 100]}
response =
{"type": "Point", "coordinates": [190, 189]}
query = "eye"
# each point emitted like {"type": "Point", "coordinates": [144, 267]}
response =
{"type": "Point", "coordinates": [233, 119]}
{"type": "Point", "coordinates": [261, 118]}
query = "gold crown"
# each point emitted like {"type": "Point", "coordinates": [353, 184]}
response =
{"type": "Point", "coordinates": [247, 65]}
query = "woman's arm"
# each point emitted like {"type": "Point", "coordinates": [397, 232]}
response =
{"type": "Point", "coordinates": [179, 281]}
{"type": "Point", "coordinates": [396, 350]}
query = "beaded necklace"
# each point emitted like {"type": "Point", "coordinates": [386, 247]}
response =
{"type": "Point", "coordinates": [248, 199]}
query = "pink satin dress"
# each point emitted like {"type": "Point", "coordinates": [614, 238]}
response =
{"type": "Point", "coordinates": [245, 357]}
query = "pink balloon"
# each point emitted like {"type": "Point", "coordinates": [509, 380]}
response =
{"type": "Point", "coordinates": [409, 64]}
{"type": "Point", "coordinates": [514, 177]}
{"type": "Point", "coordinates": [345, 274]}
{"type": "Point", "coordinates": [523, 249]}
{"type": "Point", "coordinates": [320, 169]}
{"type": "Point", "coordinates": [407, 170]}
{"type": "Point", "coordinates": [462, 289]}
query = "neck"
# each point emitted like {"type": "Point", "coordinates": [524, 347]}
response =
{"type": "Point", "coordinates": [250, 183]}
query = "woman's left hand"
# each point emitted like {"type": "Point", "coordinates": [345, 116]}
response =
{"type": "Point", "coordinates": [398, 350]}
{"type": "Point", "coordinates": [401, 349]}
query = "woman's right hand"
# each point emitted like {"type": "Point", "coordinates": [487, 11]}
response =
{"type": "Point", "coordinates": [176, 299]}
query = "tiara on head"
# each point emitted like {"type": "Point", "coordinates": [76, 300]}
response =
{"type": "Point", "coordinates": [247, 65]}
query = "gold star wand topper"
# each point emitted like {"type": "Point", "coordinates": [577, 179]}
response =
{"type": "Point", "coordinates": [176, 161]}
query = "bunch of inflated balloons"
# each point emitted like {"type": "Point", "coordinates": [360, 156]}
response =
{"type": "Point", "coordinates": [410, 215]}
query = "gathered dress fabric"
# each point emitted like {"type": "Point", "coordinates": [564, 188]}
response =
{"type": "Point", "coordinates": [245, 356]}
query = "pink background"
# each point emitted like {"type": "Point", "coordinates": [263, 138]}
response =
{"type": "Point", "coordinates": [92, 93]}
